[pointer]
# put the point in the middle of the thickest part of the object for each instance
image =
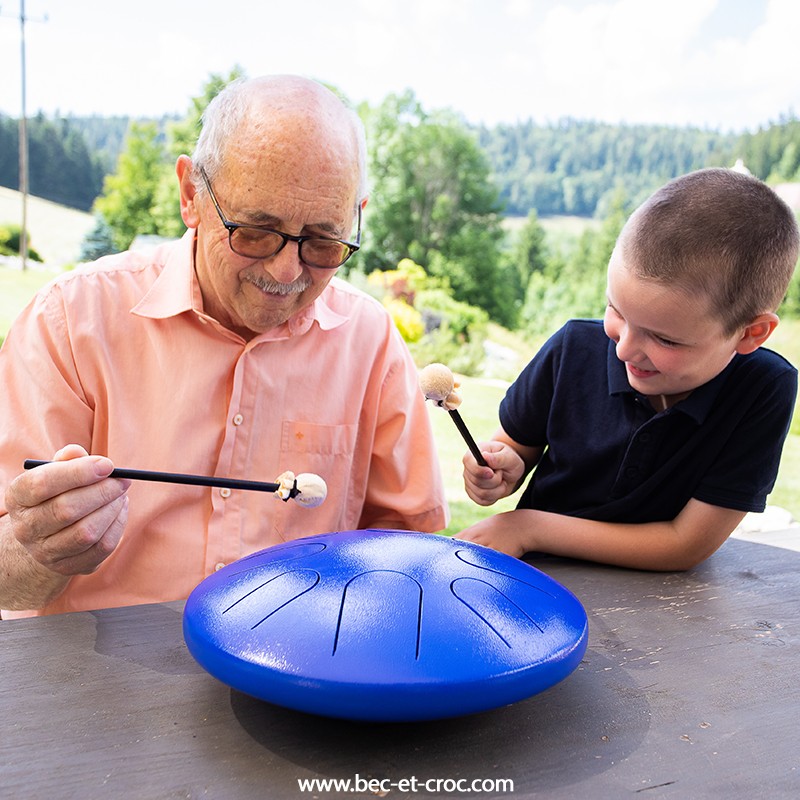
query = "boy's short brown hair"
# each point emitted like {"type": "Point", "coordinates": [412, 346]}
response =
{"type": "Point", "coordinates": [719, 232]}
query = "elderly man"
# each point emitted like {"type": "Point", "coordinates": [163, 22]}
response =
{"type": "Point", "coordinates": [233, 352]}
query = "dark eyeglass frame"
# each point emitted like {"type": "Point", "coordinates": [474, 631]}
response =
{"type": "Point", "coordinates": [232, 227]}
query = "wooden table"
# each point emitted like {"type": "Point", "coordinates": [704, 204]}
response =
{"type": "Point", "coordinates": [690, 688]}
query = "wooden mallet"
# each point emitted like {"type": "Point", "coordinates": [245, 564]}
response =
{"type": "Point", "coordinates": [437, 384]}
{"type": "Point", "coordinates": [306, 489]}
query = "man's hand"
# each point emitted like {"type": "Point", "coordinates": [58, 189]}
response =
{"type": "Point", "coordinates": [68, 515]}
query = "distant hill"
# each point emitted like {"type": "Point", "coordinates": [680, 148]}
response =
{"type": "Point", "coordinates": [56, 232]}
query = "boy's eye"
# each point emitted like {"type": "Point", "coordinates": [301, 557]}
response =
{"type": "Point", "coordinates": [666, 342]}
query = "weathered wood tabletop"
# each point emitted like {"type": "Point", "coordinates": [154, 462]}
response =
{"type": "Point", "coordinates": [690, 688]}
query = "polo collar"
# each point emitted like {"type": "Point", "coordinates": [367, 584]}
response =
{"type": "Point", "coordinates": [697, 405]}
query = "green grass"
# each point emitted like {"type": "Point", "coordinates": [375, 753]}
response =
{"type": "Point", "coordinates": [481, 399]}
{"type": "Point", "coordinates": [786, 341]}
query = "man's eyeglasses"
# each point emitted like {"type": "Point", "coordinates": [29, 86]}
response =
{"type": "Point", "coordinates": [256, 241]}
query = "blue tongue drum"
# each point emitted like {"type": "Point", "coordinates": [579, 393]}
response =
{"type": "Point", "coordinates": [380, 625]}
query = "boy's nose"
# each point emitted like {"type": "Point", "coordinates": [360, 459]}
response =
{"type": "Point", "coordinates": [628, 348]}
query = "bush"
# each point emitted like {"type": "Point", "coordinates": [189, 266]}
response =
{"type": "Point", "coordinates": [455, 333]}
{"type": "Point", "coordinates": [435, 326]}
{"type": "Point", "coordinates": [11, 239]}
{"type": "Point", "coordinates": [99, 241]}
{"type": "Point", "coordinates": [790, 308]}
{"type": "Point", "coordinates": [406, 318]}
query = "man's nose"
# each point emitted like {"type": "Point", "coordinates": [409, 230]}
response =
{"type": "Point", "coordinates": [285, 266]}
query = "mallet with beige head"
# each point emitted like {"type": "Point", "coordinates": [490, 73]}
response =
{"type": "Point", "coordinates": [439, 385]}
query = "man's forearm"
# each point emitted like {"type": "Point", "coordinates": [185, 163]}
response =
{"type": "Point", "coordinates": [24, 584]}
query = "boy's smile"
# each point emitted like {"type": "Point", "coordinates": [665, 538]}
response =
{"type": "Point", "coordinates": [668, 339]}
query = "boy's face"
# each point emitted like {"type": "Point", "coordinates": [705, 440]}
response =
{"type": "Point", "coordinates": [670, 341]}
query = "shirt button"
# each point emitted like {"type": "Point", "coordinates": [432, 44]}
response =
{"type": "Point", "coordinates": [218, 566]}
{"type": "Point", "coordinates": [225, 492]}
{"type": "Point", "coordinates": [631, 472]}
{"type": "Point", "coordinates": [238, 419]}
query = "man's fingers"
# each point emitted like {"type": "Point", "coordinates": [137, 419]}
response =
{"type": "Point", "coordinates": [36, 486]}
{"type": "Point", "coordinates": [83, 546]}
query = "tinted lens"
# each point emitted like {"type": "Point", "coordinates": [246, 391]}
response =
{"type": "Point", "coordinates": [255, 243]}
{"type": "Point", "coordinates": [324, 253]}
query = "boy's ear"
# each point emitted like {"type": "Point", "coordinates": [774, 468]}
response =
{"type": "Point", "coordinates": [756, 333]}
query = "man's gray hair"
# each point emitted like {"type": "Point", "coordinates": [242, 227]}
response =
{"type": "Point", "coordinates": [224, 115]}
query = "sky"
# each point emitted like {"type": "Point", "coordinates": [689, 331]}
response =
{"type": "Point", "coordinates": [727, 65]}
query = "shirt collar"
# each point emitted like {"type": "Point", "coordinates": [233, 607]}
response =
{"type": "Point", "coordinates": [176, 291]}
{"type": "Point", "coordinates": [697, 405]}
{"type": "Point", "coordinates": [172, 292]}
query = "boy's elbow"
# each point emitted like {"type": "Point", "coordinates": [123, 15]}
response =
{"type": "Point", "coordinates": [688, 558]}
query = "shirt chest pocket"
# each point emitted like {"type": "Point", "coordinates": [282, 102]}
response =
{"type": "Point", "coordinates": [318, 440]}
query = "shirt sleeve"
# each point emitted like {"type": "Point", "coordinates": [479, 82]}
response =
{"type": "Point", "coordinates": [405, 487]}
{"type": "Point", "coordinates": [42, 405]}
{"type": "Point", "coordinates": [525, 410]}
{"type": "Point", "coordinates": [745, 472]}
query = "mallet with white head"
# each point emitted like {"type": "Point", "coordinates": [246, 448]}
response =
{"type": "Point", "coordinates": [306, 489]}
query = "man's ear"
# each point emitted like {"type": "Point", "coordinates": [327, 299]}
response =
{"type": "Point", "coordinates": [189, 212]}
{"type": "Point", "coordinates": [756, 333]}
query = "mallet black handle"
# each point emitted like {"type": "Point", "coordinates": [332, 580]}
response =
{"type": "Point", "coordinates": [177, 477]}
{"type": "Point", "coordinates": [460, 424]}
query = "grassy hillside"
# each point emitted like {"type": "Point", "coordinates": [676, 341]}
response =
{"type": "Point", "coordinates": [56, 232]}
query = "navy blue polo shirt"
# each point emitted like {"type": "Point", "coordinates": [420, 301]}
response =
{"type": "Point", "coordinates": [610, 456]}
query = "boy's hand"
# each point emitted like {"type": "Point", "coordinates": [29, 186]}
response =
{"type": "Point", "coordinates": [487, 485]}
{"type": "Point", "coordinates": [505, 533]}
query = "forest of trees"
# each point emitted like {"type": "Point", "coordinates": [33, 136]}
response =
{"type": "Point", "coordinates": [575, 167]}
{"type": "Point", "coordinates": [62, 164]}
{"type": "Point", "coordinates": [570, 167]}
{"type": "Point", "coordinates": [440, 191]}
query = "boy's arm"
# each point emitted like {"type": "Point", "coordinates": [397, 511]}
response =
{"type": "Point", "coordinates": [509, 463]}
{"type": "Point", "coordinates": [683, 543]}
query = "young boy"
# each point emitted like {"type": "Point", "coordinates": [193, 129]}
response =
{"type": "Point", "coordinates": [654, 432]}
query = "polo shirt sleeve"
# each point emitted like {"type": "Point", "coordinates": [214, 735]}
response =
{"type": "Point", "coordinates": [525, 409]}
{"type": "Point", "coordinates": [745, 472]}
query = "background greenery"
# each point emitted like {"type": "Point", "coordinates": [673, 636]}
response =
{"type": "Point", "coordinates": [481, 398]}
{"type": "Point", "coordinates": [478, 240]}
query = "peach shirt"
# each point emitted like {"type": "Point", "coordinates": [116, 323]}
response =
{"type": "Point", "coordinates": [119, 357]}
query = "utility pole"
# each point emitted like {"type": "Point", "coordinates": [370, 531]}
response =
{"type": "Point", "coordinates": [23, 145]}
{"type": "Point", "coordinates": [23, 137]}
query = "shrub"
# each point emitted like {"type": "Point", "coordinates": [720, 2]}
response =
{"type": "Point", "coordinates": [436, 327]}
{"type": "Point", "coordinates": [11, 239]}
{"type": "Point", "coordinates": [455, 332]}
{"type": "Point", "coordinates": [406, 318]}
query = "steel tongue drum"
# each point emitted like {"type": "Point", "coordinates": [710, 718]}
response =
{"type": "Point", "coordinates": [385, 626]}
